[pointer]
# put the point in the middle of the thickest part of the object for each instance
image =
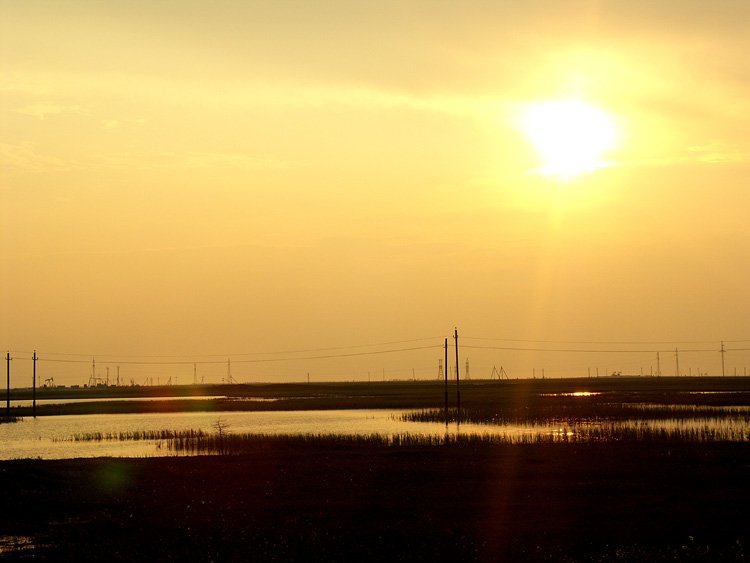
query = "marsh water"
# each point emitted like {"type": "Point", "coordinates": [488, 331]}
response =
{"type": "Point", "coordinates": [58, 437]}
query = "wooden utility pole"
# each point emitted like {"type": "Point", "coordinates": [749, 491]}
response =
{"type": "Point", "coordinates": [33, 392]}
{"type": "Point", "coordinates": [7, 392]}
{"type": "Point", "coordinates": [722, 358]}
{"type": "Point", "coordinates": [458, 388]}
{"type": "Point", "coordinates": [446, 381]}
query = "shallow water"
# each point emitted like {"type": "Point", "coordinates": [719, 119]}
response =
{"type": "Point", "coordinates": [39, 402]}
{"type": "Point", "coordinates": [53, 437]}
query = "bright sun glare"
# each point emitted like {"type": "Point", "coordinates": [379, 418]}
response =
{"type": "Point", "coordinates": [570, 135]}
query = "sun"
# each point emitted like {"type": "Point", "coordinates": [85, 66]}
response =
{"type": "Point", "coordinates": [571, 136]}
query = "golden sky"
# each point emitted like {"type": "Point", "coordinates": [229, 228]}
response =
{"type": "Point", "coordinates": [224, 178]}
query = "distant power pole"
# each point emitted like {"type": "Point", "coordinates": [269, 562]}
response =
{"type": "Point", "coordinates": [7, 391]}
{"type": "Point", "coordinates": [658, 366]}
{"type": "Point", "coordinates": [446, 382]}
{"type": "Point", "coordinates": [722, 358]}
{"type": "Point", "coordinates": [458, 389]}
{"type": "Point", "coordinates": [33, 392]}
{"type": "Point", "coordinates": [466, 371]}
{"type": "Point", "coordinates": [440, 370]}
{"type": "Point", "coordinates": [677, 362]}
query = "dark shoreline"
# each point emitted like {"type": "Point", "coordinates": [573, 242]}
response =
{"type": "Point", "coordinates": [541, 502]}
{"type": "Point", "coordinates": [718, 391]}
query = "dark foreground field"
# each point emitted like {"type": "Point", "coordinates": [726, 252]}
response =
{"type": "Point", "coordinates": [541, 502]}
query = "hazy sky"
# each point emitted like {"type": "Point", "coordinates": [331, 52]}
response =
{"type": "Point", "coordinates": [203, 180]}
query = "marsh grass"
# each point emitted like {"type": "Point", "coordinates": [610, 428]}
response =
{"type": "Point", "coordinates": [198, 442]}
{"type": "Point", "coordinates": [131, 435]}
{"type": "Point", "coordinates": [536, 412]}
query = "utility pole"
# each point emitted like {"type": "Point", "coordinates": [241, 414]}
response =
{"type": "Point", "coordinates": [446, 382]}
{"type": "Point", "coordinates": [33, 392]}
{"type": "Point", "coordinates": [722, 358]}
{"type": "Point", "coordinates": [658, 366]}
{"type": "Point", "coordinates": [458, 389]}
{"type": "Point", "coordinates": [677, 362]}
{"type": "Point", "coordinates": [7, 391]}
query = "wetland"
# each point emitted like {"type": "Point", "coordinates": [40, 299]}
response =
{"type": "Point", "coordinates": [650, 469]}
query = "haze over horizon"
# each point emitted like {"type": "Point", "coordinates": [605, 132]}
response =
{"type": "Point", "coordinates": [201, 180]}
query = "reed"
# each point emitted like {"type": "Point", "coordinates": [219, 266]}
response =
{"type": "Point", "coordinates": [591, 412]}
{"type": "Point", "coordinates": [198, 442]}
{"type": "Point", "coordinates": [131, 435]}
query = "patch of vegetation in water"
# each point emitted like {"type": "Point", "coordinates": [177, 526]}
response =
{"type": "Point", "coordinates": [198, 442]}
{"type": "Point", "coordinates": [541, 410]}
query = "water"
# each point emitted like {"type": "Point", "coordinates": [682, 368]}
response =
{"type": "Point", "coordinates": [51, 437]}
{"type": "Point", "coordinates": [39, 402]}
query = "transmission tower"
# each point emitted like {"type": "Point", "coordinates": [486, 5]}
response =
{"type": "Point", "coordinates": [230, 379]}
{"type": "Point", "coordinates": [468, 376]}
{"type": "Point", "coordinates": [440, 370]}
{"type": "Point", "coordinates": [499, 374]}
{"type": "Point", "coordinates": [92, 379]}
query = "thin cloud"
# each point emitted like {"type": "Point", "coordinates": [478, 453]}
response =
{"type": "Point", "coordinates": [718, 152]}
{"type": "Point", "coordinates": [42, 111]}
{"type": "Point", "coordinates": [23, 157]}
{"type": "Point", "coordinates": [193, 160]}
{"type": "Point", "coordinates": [116, 125]}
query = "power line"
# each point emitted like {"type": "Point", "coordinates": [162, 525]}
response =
{"type": "Point", "coordinates": [276, 352]}
{"type": "Point", "coordinates": [588, 350]}
{"type": "Point", "coordinates": [257, 360]}
{"type": "Point", "coordinates": [622, 342]}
